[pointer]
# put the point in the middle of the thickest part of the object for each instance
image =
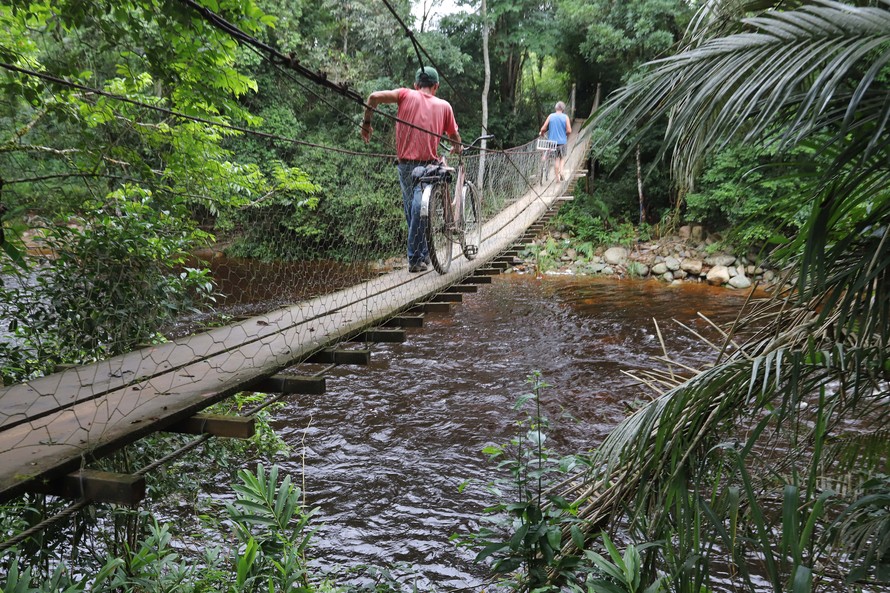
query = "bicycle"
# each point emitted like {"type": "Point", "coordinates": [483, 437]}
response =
{"type": "Point", "coordinates": [548, 147]}
{"type": "Point", "coordinates": [450, 217]}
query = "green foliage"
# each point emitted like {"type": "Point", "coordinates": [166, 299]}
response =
{"type": "Point", "coordinates": [626, 34]}
{"type": "Point", "coordinates": [586, 218]}
{"type": "Point", "coordinates": [743, 189]}
{"type": "Point", "coordinates": [527, 526]}
{"type": "Point", "coordinates": [272, 536]}
{"type": "Point", "coordinates": [619, 573]}
{"type": "Point", "coordinates": [111, 282]}
{"type": "Point", "coordinates": [546, 256]}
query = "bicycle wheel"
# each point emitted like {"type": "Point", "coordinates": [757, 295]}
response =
{"type": "Point", "coordinates": [471, 238]}
{"type": "Point", "coordinates": [439, 228]}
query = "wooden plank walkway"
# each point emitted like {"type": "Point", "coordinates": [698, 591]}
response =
{"type": "Point", "coordinates": [56, 424]}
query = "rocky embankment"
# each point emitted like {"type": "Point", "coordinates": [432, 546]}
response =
{"type": "Point", "coordinates": [688, 256]}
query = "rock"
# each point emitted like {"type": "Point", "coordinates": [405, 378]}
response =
{"type": "Point", "coordinates": [739, 281]}
{"type": "Point", "coordinates": [691, 266]}
{"type": "Point", "coordinates": [667, 277]}
{"type": "Point", "coordinates": [659, 269]}
{"type": "Point", "coordinates": [769, 276]}
{"type": "Point", "coordinates": [672, 263]}
{"type": "Point", "coordinates": [571, 253]}
{"type": "Point", "coordinates": [684, 231]}
{"type": "Point", "coordinates": [615, 255]}
{"type": "Point", "coordinates": [608, 271]}
{"type": "Point", "coordinates": [720, 260]}
{"type": "Point", "coordinates": [637, 269]}
{"type": "Point", "coordinates": [680, 274]}
{"type": "Point", "coordinates": [718, 275]}
{"type": "Point", "coordinates": [697, 232]}
{"type": "Point", "coordinates": [750, 270]}
{"type": "Point", "coordinates": [597, 267]}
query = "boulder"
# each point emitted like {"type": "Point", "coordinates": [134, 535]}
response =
{"type": "Point", "coordinates": [672, 263]}
{"type": "Point", "coordinates": [740, 281]}
{"type": "Point", "coordinates": [691, 266]}
{"type": "Point", "coordinates": [615, 255]}
{"type": "Point", "coordinates": [720, 260]}
{"type": "Point", "coordinates": [718, 275]}
{"type": "Point", "coordinates": [659, 269]}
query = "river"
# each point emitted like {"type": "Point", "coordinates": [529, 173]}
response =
{"type": "Point", "coordinates": [384, 452]}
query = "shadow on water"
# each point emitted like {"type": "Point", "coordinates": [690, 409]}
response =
{"type": "Point", "coordinates": [387, 447]}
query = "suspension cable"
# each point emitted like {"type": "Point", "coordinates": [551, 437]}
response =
{"type": "Point", "coordinates": [173, 113]}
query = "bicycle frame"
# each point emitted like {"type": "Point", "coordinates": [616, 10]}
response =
{"type": "Point", "coordinates": [450, 224]}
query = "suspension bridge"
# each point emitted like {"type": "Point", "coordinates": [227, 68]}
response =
{"type": "Point", "coordinates": [53, 427]}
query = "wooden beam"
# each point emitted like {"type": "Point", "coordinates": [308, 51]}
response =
{"type": "Point", "coordinates": [289, 384]}
{"type": "Point", "coordinates": [96, 486]}
{"type": "Point", "coordinates": [218, 425]}
{"type": "Point", "coordinates": [333, 356]}
{"type": "Point", "coordinates": [458, 288]}
{"type": "Point", "coordinates": [382, 335]}
{"type": "Point", "coordinates": [429, 307]}
{"type": "Point", "coordinates": [446, 297]}
{"type": "Point", "coordinates": [488, 271]}
{"type": "Point", "coordinates": [476, 279]}
{"type": "Point", "coordinates": [405, 320]}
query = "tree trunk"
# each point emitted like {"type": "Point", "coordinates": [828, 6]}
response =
{"type": "Point", "coordinates": [640, 187]}
{"type": "Point", "coordinates": [480, 176]}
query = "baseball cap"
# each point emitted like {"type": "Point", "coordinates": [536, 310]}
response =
{"type": "Point", "coordinates": [426, 74]}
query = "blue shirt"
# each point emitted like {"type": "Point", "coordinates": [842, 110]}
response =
{"type": "Point", "coordinates": [556, 129]}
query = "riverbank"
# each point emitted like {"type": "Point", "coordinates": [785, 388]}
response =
{"type": "Point", "coordinates": [691, 255]}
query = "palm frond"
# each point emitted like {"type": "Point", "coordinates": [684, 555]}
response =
{"type": "Point", "coordinates": [792, 71]}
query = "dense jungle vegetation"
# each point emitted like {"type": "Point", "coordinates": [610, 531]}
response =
{"type": "Point", "coordinates": [765, 119]}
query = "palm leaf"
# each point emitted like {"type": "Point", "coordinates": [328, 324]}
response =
{"type": "Point", "coordinates": [792, 70]}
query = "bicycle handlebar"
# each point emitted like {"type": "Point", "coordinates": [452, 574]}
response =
{"type": "Point", "coordinates": [469, 146]}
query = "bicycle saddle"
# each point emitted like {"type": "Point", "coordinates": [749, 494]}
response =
{"type": "Point", "coordinates": [430, 173]}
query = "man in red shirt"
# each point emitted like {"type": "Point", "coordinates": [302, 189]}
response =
{"type": "Point", "coordinates": [422, 120]}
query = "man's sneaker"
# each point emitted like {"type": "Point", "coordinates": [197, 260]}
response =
{"type": "Point", "coordinates": [421, 267]}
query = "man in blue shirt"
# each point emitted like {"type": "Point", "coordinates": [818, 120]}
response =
{"type": "Point", "coordinates": [558, 128]}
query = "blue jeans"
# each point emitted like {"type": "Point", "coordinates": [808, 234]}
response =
{"type": "Point", "coordinates": [411, 198]}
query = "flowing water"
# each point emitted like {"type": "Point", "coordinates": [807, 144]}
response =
{"type": "Point", "coordinates": [384, 452]}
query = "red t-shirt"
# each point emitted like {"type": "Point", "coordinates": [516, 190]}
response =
{"type": "Point", "coordinates": [427, 112]}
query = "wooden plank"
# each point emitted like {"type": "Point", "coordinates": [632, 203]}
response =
{"type": "Point", "coordinates": [406, 320]}
{"type": "Point", "coordinates": [461, 288]}
{"type": "Point", "coordinates": [339, 356]}
{"type": "Point", "coordinates": [488, 271]}
{"type": "Point", "coordinates": [477, 279]}
{"type": "Point", "coordinates": [429, 307]}
{"type": "Point", "coordinates": [446, 297]}
{"type": "Point", "coordinates": [382, 335]}
{"type": "Point", "coordinates": [218, 425]}
{"type": "Point", "coordinates": [289, 384]}
{"type": "Point", "coordinates": [97, 486]}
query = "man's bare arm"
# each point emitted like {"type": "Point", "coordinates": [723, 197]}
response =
{"type": "Point", "coordinates": [374, 99]}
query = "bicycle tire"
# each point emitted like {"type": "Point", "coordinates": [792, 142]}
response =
{"type": "Point", "coordinates": [471, 238]}
{"type": "Point", "coordinates": [439, 227]}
